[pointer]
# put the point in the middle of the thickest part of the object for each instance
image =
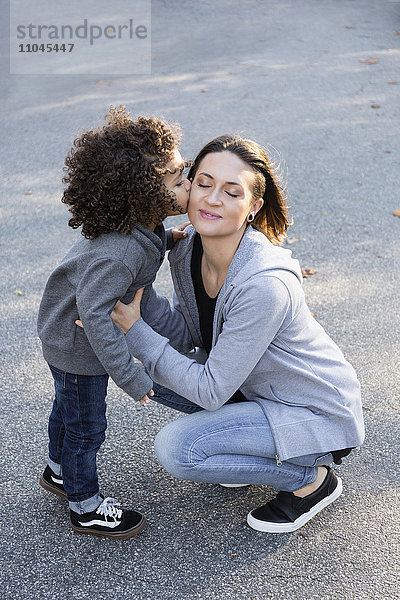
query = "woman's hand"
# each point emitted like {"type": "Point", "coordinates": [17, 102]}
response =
{"type": "Point", "coordinates": [178, 232]}
{"type": "Point", "coordinates": [125, 315]}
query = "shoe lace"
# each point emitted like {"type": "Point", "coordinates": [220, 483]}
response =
{"type": "Point", "coordinates": [108, 508]}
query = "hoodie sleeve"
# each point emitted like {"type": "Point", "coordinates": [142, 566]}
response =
{"type": "Point", "coordinates": [167, 320]}
{"type": "Point", "coordinates": [102, 284]}
{"type": "Point", "coordinates": [254, 318]}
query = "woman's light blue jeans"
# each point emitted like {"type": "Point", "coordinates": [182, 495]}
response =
{"type": "Point", "coordinates": [233, 444]}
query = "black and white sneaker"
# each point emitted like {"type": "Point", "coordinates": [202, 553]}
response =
{"type": "Point", "coordinates": [109, 520]}
{"type": "Point", "coordinates": [52, 483]}
{"type": "Point", "coordinates": [287, 512]}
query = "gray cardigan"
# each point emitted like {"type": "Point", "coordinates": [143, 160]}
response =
{"type": "Point", "coordinates": [86, 285]}
{"type": "Point", "coordinates": [265, 343]}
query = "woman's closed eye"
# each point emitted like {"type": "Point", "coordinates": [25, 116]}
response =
{"type": "Point", "coordinates": [203, 185]}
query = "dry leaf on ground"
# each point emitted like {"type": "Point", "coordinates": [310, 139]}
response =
{"type": "Point", "coordinates": [18, 292]}
{"type": "Point", "coordinates": [396, 212]}
{"type": "Point", "coordinates": [393, 82]}
{"type": "Point", "coordinates": [308, 272]}
{"type": "Point", "coordinates": [369, 61]}
{"type": "Point", "coordinates": [375, 105]}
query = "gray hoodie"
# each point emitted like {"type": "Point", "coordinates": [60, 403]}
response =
{"type": "Point", "coordinates": [265, 343]}
{"type": "Point", "coordinates": [86, 285]}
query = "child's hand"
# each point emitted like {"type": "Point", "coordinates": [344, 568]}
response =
{"type": "Point", "coordinates": [125, 315]}
{"type": "Point", "coordinates": [146, 399]}
{"type": "Point", "coordinates": [178, 233]}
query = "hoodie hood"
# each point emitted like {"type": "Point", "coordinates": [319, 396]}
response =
{"type": "Point", "coordinates": [152, 241]}
{"type": "Point", "coordinates": [255, 254]}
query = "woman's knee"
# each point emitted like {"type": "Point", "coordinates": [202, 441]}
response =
{"type": "Point", "coordinates": [170, 445]}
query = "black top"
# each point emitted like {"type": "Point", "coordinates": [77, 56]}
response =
{"type": "Point", "coordinates": [205, 304]}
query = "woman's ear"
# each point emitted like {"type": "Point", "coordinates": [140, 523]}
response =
{"type": "Point", "coordinates": [257, 205]}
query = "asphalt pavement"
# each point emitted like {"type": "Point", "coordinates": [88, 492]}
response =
{"type": "Point", "coordinates": [317, 82]}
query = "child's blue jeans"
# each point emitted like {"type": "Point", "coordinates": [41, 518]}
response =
{"type": "Point", "coordinates": [77, 426]}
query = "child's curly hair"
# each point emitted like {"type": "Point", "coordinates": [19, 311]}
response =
{"type": "Point", "coordinates": [114, 174]}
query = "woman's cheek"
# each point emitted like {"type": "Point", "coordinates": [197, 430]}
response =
{"type": "Point", "coordinates": [192, 203]}
{"type": "Point", "coordinates": [191, 211]}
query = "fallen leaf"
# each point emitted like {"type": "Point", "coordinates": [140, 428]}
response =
{"type": "Point", "coordinates": [308, 272]}
{"type": "Point", "coordinates": [323, 213]}
{"type": "Point", "coordinates": [18, 292]}
{"type": "Point", "coordinates": [28, 192]}
{"type": "Point", "coordinates": [291, 241]}
{"type": "Point", "coordinates": [366, 408]}
{"type": "Point", "coordinates": [100, 82]}
{"type": "Point", "coordinates": [396, 212]}
{"type": "Point", "coordinates": [375, 105]}
{"type": "Point", "coordinates": [369, 61]}
{"type": "Point", "coordinates": [393, 82]}
{"type": "Point", "coordinates": [234, 554]}
{"type": "Point", "coordinates": [397, 33]}
{"type": "Point", "coordinates": [314, 314]}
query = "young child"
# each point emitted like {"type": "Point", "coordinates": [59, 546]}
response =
{"type": "Point", "coordinates": [123, 180]}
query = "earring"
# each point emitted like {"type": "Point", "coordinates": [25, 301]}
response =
{"type": "Point", "coordinates": [250, 218]}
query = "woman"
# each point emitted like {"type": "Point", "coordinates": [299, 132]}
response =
{"type": "Point", "coordinates": [281, 402]}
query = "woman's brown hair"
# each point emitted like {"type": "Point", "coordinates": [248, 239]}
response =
{"type": "Point", "coordinates": [114, 174]}
{"type": "Point", "coordinates": [272, 218]}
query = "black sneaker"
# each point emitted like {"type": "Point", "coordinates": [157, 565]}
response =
{"type": "Point", "coordinates": [52, 483]}
{"type": "Point", "coordinates": [287, 512]}
{"type": "Point", "coordinates": [109, 520]}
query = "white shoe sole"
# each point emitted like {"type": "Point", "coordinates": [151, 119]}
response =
{"type": "Point", "coordinates": [267, 527]}
{"type": "Point", "coordinates": [235, 485]}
